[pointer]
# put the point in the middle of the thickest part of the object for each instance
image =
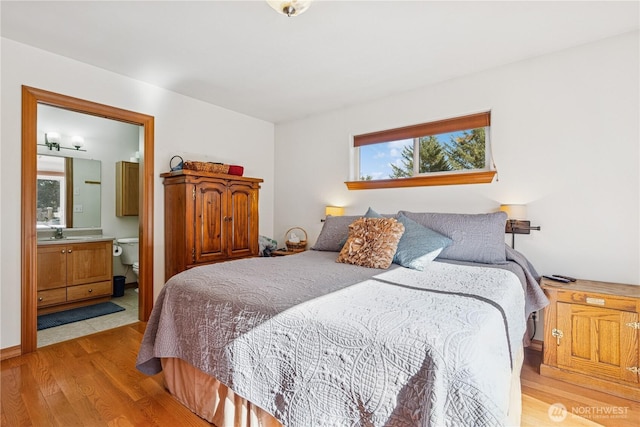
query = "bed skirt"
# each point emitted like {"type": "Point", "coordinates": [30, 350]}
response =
{"type": "Point", "coordinates": [210, 399]}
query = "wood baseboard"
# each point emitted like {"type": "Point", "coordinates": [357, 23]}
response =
{"type": "Point", "coordinates": [536, 345]}
{"type": "Point", "coordinates": [9, 352]}
{"type": "Point", "coordinates": [617, 389]}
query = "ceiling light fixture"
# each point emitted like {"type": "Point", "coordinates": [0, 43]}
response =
{"type": "Point", "coordinates": [290, 8]}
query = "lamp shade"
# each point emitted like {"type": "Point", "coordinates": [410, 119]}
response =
{"type": "Point", "coordinates": [515, 211]}
{"type": "Point", "coordinates": [333, 211]}
{"type": "Point", "coordinates": [77, 141]}
{"type": "Point", "coordinates": [53, 137]}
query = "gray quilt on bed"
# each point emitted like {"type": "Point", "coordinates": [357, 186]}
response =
{"type": "Point", "coordinates": [318, 343]}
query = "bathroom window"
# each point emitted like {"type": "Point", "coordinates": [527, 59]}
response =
{"type": "Point", "coordinates": [51, 200]}
{"type": "Point", "coordinates": [51, 192]}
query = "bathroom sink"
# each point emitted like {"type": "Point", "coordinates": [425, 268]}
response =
{"type": "Point", "coordinates": [47, 239]}
{"type": "Point", "coordinates": [74, 238]}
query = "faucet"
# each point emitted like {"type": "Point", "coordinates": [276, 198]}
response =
{"type": "Point", "coordinates": [59, 234]}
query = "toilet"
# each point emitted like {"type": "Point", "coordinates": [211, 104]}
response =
{"type": "Point", "coordinates": [129, 255]}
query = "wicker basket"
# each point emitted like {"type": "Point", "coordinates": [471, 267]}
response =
{"type": "Point", "coordinates": [293, 246]}
{"type": "Point", "coordinates": [206, 167]}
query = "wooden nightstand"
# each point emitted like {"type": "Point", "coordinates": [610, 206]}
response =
{"type": "Point", "coordinates": [591, 332]}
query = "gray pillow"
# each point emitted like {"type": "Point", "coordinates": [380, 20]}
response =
{"type": "Point", "coordinates": [334, 231]}
{"type": "Point", "coordinates": [370, 213]}
{"type": "Point", "coordinates": [476, 237]}
{"type": "Point", "coordinates": [418, 245]}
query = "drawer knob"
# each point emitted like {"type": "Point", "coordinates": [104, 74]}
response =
{"type": "Point", "coordinates": [69, 250]}
{"type": "Point", "coordinates": [62, 251]}
{"type": "Point", "coordinates": [40, 299]}
{"type": "Point", "coordinates": [90, 290]}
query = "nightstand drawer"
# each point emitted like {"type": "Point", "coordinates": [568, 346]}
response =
{"type": "Point", "coordinates": [52, 296]}
{"type": "Point", "coordinates": [91, 290]}
{"type": "Point", "coordinates": [598, 300]}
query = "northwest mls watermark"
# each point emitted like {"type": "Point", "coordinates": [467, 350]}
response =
{"type": "Point", "coordinates": [558, 412]}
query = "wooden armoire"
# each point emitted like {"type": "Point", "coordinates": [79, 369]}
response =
{"type": "Point", "coordinates": [208, 218]}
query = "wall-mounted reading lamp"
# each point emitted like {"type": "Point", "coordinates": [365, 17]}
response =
{"type": "Point", "coordinates": [333, 211]}
{"type": "Point", "coordinates": [515, 222]}
{"type": "Point", "coordinates": [52, 142]}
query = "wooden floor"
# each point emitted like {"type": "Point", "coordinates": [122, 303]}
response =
{"type": "Point", "coordinates": [595, 408]}
{"type": "Point", "coordinates": [92, 381]}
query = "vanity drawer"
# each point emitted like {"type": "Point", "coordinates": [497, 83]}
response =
{"type": "Point", "coordinates": [91, 290]}
{"type": "Point", "coordinates": [53, 296]}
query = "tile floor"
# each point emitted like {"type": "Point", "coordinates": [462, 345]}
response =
{"type": "Point", "coordinates": [90, 326]}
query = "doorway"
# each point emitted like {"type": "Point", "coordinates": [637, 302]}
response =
{"type": "Point", "coordinates": [31, 97]}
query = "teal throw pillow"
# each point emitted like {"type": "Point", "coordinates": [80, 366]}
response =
{"type": "Point", "coordinates": [419, 245]}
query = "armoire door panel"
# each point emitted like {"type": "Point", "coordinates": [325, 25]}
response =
{"type": "Point", "coordinates": [241, 207]}
{"type": "Point", "coordinates": [210, 232]}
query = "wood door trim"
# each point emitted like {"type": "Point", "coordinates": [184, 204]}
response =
{"type": "Point", "coordinates": [31, 97]}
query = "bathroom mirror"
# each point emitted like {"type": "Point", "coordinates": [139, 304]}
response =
{"type": "Point", "coordinates": [69, 192]}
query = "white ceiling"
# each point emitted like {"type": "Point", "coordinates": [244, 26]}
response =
{"type": "Point", "coordinates": [243, 56]}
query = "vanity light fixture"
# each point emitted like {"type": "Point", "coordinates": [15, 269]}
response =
{"type": "Point", "coordinates": [290, 8]}
{"type": "Point", "coordinates": [52, 142]}
{"type": "Point", "coordinates": [77, 142]}
{"type": "Point", "coordinates": [333, 211]}
{"type": "Point", "coordinates": [515, 222]}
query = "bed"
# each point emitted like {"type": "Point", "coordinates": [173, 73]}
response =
{"type": "Point", "coordinates": [304, 340]}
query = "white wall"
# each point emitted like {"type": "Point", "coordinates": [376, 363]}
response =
{"type": "Point", "coordinates": [565, 131]}
{"type": "Point", "coordinates": [182, 125]}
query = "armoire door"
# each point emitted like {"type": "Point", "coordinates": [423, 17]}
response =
{"type": "Point", "coordinates": [210, 230]}
{"type": "Point", "coordinates": [242, 220]}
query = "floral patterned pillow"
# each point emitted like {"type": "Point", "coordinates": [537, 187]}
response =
{"type": "Point", "coordinates": [372, 242]}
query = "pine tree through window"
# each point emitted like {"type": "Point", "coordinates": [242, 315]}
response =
{"type": "Point", "coordinates": [457, 147]}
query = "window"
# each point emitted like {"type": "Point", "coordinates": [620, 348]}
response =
{"type": "Point", "coordinates": [451, 151]}
{"type": "Point", "coordinates": [51, 200]}
{"type": "Point", "coordinates": [51, 196]}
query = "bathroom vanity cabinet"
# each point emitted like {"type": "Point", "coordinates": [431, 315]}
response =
{"type": "Point", "coordinates": [208, 218]}
{"type": "Point", "coordinates": [74, 274]}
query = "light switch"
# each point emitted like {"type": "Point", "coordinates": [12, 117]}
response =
{"type": "Point", "coordinates": [77, 208]}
